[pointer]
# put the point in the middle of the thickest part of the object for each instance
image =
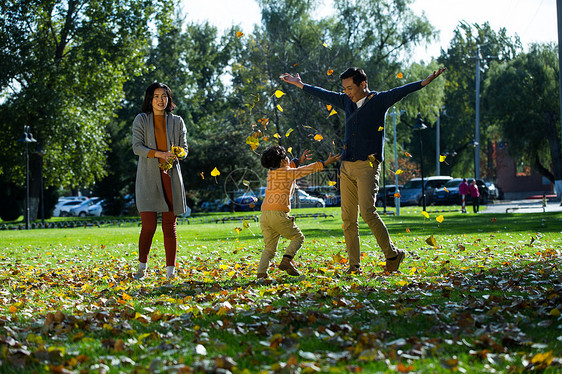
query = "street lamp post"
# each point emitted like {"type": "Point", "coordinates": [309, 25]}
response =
{"type": "Point", "coordinates": [419, 126]}
{"type": "Point", "coordinates": [27, 138]}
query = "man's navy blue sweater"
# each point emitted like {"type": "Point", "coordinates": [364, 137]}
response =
{"type": "Point", "coordinates": [364, 127]}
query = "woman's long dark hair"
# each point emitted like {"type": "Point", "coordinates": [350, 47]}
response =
{"type": "Point", "coordinates": [147, 104]}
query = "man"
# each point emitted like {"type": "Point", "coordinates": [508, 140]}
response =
{"type": "Point", "coordinates": [362, 156]}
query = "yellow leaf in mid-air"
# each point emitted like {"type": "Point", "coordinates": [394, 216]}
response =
{"type": "Point", "coordinates": [331, 183]}
{"type": "Point", "coordinates": [202, 175]}
{"type": "Point", "coordinates": [440, 218]}
{"type": "Point", "coordinates": [446, 190]}
{"type": "Point", "coordinates": [325, 44]}
{"type": "Point", "coordinates": [239, 34]}
{"type": "Point", "coordinates": [290, 150]}
{"type": "Point", "coordinates": [399, 76]}
{"type": "Point", "coordinates": [279, 107]}
{"type": "Point", "coordinates": [246, 224]}
{"type": "Point", "coordinates": [238, 230]}
{"type": "Point", "coordinates": [279, 93]}
{"type": "Point", "coordinates": [288, 133]}
{"type": "Point", "coordinates": [442, 158]}
{"type": "Point", "coordinates": [332, 112]}
{"type": "Point", "coordinates": [318, 137]}
{"type": "Point", "coordinates": [399, 171]}
{"type": "Point", "coordinates": [215, 172]}
{"type": "Point", "coordinates": [425, 214]}
{"type": "Point", "coordinates": [397, 195]}
{"type": "Point", "coordinates": [407, 154]}
{"type": "Point", "coordinates": [276, 135]}
{"type": "Point", "coordinates": [330, 72]}
{"type": "Point", "coordinates": [245, 183]}
{"type": "Point", "coordinates": [381, 128]}
{"type": "Point", "coordinates": [329, 107]}
{"type": "Point", "coordinates": [431, 241]}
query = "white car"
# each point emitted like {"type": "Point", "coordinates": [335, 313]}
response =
{"type": "Point", "coordinates": [304, 200]}
{"type": "Point", "coordinates": [96, 209]}
{"type": "Point", "coordinates": [81, 210]}
{"type": "Point", "coordinates": [62, 209]}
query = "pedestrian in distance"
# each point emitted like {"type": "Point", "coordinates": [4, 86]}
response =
{"type": "Point", "coordinates": [275, 220]}
{"type": "Point", "coordinates": [159, 141]}
{"type": "Point", "coordinates": [475, 195]}
{"type": "Point", "coordinates": [463, 191]}
{"type": "Point", "coordinates": [363, 153]}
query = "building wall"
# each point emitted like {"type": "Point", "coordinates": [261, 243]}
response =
{"type": "Point", "coordinates": [508, 180]}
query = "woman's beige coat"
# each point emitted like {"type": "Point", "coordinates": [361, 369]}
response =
{"type": "Point", "coordinates": [149, 192]}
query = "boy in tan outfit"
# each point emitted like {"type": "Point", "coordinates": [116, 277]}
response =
{"type": "Point", "coordinates": [275, 220]}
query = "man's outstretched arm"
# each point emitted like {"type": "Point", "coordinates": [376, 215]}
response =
{"type": "Point", "coordinates": [432, 76]}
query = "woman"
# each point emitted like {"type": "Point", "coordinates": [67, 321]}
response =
{"type": "Point", "coordinates": [159, 184]}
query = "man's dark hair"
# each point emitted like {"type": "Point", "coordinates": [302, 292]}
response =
{"type": "Point", "coordinates": [358, 75]}
{"type": "Point", "coordinates": [271, 158]}
{"type": "Point", "coordinates": [149, 94]}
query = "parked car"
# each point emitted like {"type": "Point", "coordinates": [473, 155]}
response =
{"type": "Point", "coordinates": [302, 199]}
{"type": "Point", "coordinates": [96, 210]}
{"type": "Point", "coordinates": [390, 190]}
{"type": "Point", "coordinates": [493, 191]}
{"type": "Point", "coordinates": [69, 198]}
{"type": "Point", "coordinates": [449, 194]}
{"type": "Point", "coordinates": [329, 194]}
{"type": "Point", "coordinates": [411, 193]}
{"type": "Point", "coordinates": [62, 209]}
{"type": "Point", "coordinates": [246, 203]}
{"type": "Point", "coordinates": [81, 210]}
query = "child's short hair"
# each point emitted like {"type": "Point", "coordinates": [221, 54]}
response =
{"type": "Point", "coordinates": [271, 158]}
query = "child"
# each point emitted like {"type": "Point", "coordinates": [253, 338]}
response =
{"type": "Point", "coordinates": [275, 220]}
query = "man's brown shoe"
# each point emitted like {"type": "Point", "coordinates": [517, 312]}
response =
{"type": "Point", "coordinates": [392, 265]}
{"type": "Point", "coordinates": [288, 266]}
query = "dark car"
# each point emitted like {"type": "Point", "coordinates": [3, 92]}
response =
{"type": "Point", "coordinates": [449, 194]}
{"type": "Point", "coordinates": [246, 203]}
{"type": "Point", "coordinates": [411, 193]}
{"type": "Point", "coordinates": [329, 194]}
{"type": "Point", "coordinates": [389, 190]}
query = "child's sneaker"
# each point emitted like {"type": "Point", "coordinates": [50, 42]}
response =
{"type": "Point", "coordinates": [140, 274]}
{"type": "Point", "coordinates": [288, 266]}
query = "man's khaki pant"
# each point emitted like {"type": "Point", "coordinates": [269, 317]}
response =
{"type": "Point", "coordinates": [359, 185]}
{"type": "Point", "coordinates": [276, 223]}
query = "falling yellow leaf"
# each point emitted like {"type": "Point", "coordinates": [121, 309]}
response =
{"type": "Point", "coordinates": [440, 218]}
{"type": "Point", "coordinates": [215, 172]}
{"type": "Point", "coordinates": [325, 44]}
{"type": "Point", "coordinates": [399, 76]}
{"type": "Point", "coordinates": [329, 107]}
{"type": "Point", "coordinates": [238, 230]}
{"type": "Point", "coordinates": [288, 133]}
{"type": "Point", "coordinates": [265, 138]}
{"type": "Point", "coordinates": [397, 195]}
{"type": "Point", "coordinates": [331, 183]}
{"type": "Point", "coordinates": [330, 72]}
{"type": "Point", "coordinates": [245, 183]}
{"type": "Point", "coordinates": [279, 107]}
{"type": "Point", "coordinates": [318, 137]}
{"type": "Point", "coordinates": [442, 158]}
{"type": "Point", "coordinates": [445, 188]}
{"type": "Point", "coordinates": [431, 241]}
{"type": "Point", "coordinates": [407, 154]}
{"type": "Point", "coordinates": [290, 150]}
{"type": "Point", "coordinates": [279, 93]}
{"type": "Point", "coordinates": [399, 171]}
{"type": "Point", "coordinates": [425, 214]}
{"type": "Point", "coordinates": [246, 224]}
{"type": "Point", "coordinates": [276, 135]}
{"type": "Point", "coordinates": [332, 112]}
{"type": "Point", "coordinates": [202, 175]}
{"type": "Point", "coordinates": [263, 121]}
{"type": "Point", "coordinates": [239, 34]}
{"type": "Point", "coordinates": [381, 128]}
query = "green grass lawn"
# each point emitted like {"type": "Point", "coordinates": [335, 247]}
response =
{"type": "Point", "coordinates": [486, 297]}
